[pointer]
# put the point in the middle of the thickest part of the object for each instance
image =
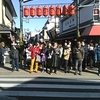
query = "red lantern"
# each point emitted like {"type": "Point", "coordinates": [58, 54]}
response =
{"type": "Point", "coordinates": [72, 10]}
{"type": "Point", "coordinates": [96, 11]}
{"type": "Point", "coordinates": [65, 10]}
{"type": "Point", "coordinates": [39, 11]}
{"type": "Point", "coordinates": [32, 12]}
{"type": "Point", "coordinates": [26, 12]}
{"type": "Point", "coordinates": [45, 11]}
{"type": "Point", "coordinates": [51, 11]}
{"type": "Point", "coordinates": [58, 11]}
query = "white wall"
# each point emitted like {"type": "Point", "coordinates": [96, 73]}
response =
{"type": "Point", "coordinates": [6, 20]}
{"type": "Point", "coordinates": [1, 12]}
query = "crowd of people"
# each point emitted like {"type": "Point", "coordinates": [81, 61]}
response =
{"type": "Point", "coordinates": [51, 56]}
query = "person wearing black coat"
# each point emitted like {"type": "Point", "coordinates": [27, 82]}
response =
{"type": "Point", "coordinates": [14, 54]}
{"type": "Point", "coordinates": [55, 57]}
{"type": "Point", "coordinates": [49, 54]}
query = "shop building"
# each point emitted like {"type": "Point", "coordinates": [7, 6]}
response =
{"type": "Point", "coordinates": [7, 25]}
{"type": "Point", "coordinates": [88, 22]}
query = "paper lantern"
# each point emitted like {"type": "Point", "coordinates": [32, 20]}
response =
{"type": "Point", "coordinates": [65, 10]}
{"type": "Point", "coordinates": [45, 11]}
{"type": "Point", "coordinates": [58, 11]}
{"type": "Point", "coordinates": [39, 11]}
{"type": "Point", "coordinates": [26, 12]}
{"type": "Point", "coordinates": [51, 11]}
{"type": "Point", "coordinates": [72, 10]}
{"type": "Point", "coordinates": [32, 12]}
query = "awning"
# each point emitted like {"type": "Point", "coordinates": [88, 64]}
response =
{"type": "Point", "coordinates": [91, 31]}
{"type": "Point", "coordinates": [5, 32]}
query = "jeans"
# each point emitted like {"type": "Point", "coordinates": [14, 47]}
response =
{"type": "Point", "coordinates": [66, 66]}
{"type": "Point", "coordinates": [15, 64]}
{"type": "Point", "coordinates": [98, 65]}
{"type": "Point", "coordinates": [78, 65]}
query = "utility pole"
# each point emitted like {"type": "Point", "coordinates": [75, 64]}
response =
{"type": "Point", "coordinates": [77, 18]}
{"type": "Point", "coordinates": [21, 21]}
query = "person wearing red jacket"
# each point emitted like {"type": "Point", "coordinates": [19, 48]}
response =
{"type": "Point", "coordinates": [37, 54]}
{"type": "Point", "coordinates": [32, 50]}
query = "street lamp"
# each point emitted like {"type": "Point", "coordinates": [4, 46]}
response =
{"type": "Point", "coordinates": [21, 19]}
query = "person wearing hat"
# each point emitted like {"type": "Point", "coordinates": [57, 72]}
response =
{"type": "Point", "coordinates": [14, 54]}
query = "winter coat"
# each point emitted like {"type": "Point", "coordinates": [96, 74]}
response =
{"type": "Point", "coordinates": [66, 54]}
{"type": "Point", "coordinates": [37, 50]}
{"type": "Point", "coordinates": [79, 53]}
{"type": "Point", "coordinates": [55, 57]}
{"type": "Point", "coordinates": [14, 54]}
{"type": "Point", "coordinates": [32, 50]}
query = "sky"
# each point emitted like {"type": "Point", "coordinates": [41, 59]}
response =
{"type": "Point", "coordinates": [34, 23]}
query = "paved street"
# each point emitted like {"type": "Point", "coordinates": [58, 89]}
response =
{"type": "Point", "coordinates": [25, 86]}
{"type": "Point", "coordinates": [6, 72]}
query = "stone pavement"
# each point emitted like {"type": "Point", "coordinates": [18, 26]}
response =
{"type": "Point", "coordinates": [5, 71]}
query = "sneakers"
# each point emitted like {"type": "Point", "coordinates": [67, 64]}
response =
{"type": "Point", "coordinates": [80, 73]}
{"type": "Point", "coordinates": [17, 69]}
{"type": "Point", "coordinates": [75, 73]}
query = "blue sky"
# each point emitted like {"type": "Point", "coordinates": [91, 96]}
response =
{"type": "Point", "coordinates": [34, 23]}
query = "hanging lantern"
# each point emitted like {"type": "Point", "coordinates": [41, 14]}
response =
{"type": "Point", "coordinates": [96, 11]}
{"type": "Point", "coordinates": [65, 10]}
{"type": "Point", "coordinates": [32, 12]}
{"type": "Point", "coordinates": [45, 11]}
{"type": "Point", "coordinates": [72, 10]}
{"type": "Point", "coordinates": [58, 11]}
{"type": "Point", "coordinates": [39, 11]}
{"type": "Point", "coordinates": [51, 11]}
{"type": "Point", "coordinates": [26, 12]}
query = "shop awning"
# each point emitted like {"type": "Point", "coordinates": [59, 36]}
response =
{"type": "Point", "coordinates": [91, 31]}
{"type": "Point", "coordinates": [5, 31]}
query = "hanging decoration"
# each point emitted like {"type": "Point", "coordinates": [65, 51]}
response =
{"type": "Point", "coordinates": [45, 11]}
{"type": "Point", "coordinates": [51, 11]}
{"type": "Point", "coordinates": [58, 11]}
{"type": "Point", "coordinates": [65, 11]}
{"type": "Point", "coordinates": [71, 9]}
{"type": "Point", "coordinates": [39, 11]}
{"type": "Point", "coordinates": [32, 11]}
{"type": "Point", "coordinates": [26, 12]}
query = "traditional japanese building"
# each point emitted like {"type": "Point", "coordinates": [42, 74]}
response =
{"type": "Point", "coordinates": [7, 24]}
{"type": "Point", "coordinates": [84, 24]}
